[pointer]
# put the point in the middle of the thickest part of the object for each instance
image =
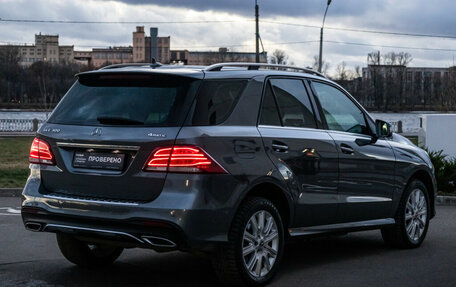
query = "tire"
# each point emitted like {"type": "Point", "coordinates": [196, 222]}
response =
{"type": "Point", "coordinates": [87, 255]}
{"type": "Point", "coordinates": [412, 218]}
{"type": "Point", "coordinates": [263, 248]}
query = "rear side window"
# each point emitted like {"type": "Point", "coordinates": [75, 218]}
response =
{"type": "Point", "coordinates": [140, 100]}
{"type": "Point", "coordinates": [294, 104]}
{"type": "Point", "coordinates": [269, 113]}
{"type": "Point", "coordinates": [216, 100]}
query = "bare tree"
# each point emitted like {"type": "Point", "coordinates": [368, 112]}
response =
{"type": "Point", "coordinates": [374, 58]}
{"type": "Point", "coordinates": [341, 72]}
{"type": "Point", "coordinates": [324, 65]}
{"type": "Point", "coordinates": [403, 58]}
{"type": "Point", "coordinates": [358, 72]}
{"type": "Point", "coordinates": [279, 57]}
{"type": "Point", "coordinates": [9, 71]}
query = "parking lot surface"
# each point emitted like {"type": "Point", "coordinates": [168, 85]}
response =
{"type": "Point", "coordinates": [358, 259]}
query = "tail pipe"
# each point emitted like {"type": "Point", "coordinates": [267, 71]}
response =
{"type": "Point", "coordinates": [159, 241]}
{"type": "Point", "coordinates": [33, 226]}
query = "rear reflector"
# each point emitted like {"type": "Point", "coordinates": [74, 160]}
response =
{"type": "Point", "coordinates": [41, 153]}
{"type": "Point", "coordinates": [185, 159]}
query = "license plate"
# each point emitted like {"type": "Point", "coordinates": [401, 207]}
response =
{"type": "Point", "coordinates": [110, 161]}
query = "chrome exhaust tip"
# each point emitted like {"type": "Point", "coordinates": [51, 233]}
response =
{"type": "Point", "coordinates": [159, 241]}
{"type": "Point", "coordinates": [33, 226]}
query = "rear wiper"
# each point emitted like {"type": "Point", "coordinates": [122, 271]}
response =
{"type": "Point", "coordinates": [110, 120]}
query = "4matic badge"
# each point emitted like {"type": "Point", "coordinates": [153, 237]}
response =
{"type": "Point", "coordinates": [156, 135]}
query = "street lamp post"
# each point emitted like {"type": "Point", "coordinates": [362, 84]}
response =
{"type": "Point", "coordinates": [320, 57]}
{"type": "Point", "coordinates": [257, 33]}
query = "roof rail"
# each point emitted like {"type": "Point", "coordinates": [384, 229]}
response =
{"type": "Point", "coordinates": [115, 66]}
{"type": "Point", "coordinates": [256, 66]}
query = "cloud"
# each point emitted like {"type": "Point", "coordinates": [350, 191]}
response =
{"type": "Point", "coordinates": [269, 8]}
{"type": "Point", "coordinates": [418, 16]}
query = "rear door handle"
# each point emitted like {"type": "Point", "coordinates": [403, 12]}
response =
{"type": "Point", "coordinates": [279, 147]}
{"type": "Point", "coordinates": [345, 148]}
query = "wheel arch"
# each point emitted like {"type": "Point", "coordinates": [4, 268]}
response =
{"type": "Point", "coordinates": [274, 192]}
{"type": "Point", "coordinates": [424, 176]}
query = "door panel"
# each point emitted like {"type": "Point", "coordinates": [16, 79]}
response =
{"type": "Point", "coordinates": [366, 169]}
{"type": "Point", "coordinates": [366, 178]}
{"type": "Point", "coordinates": [308, 159]}
{"type": "Point", "coordinates": [305, 156]}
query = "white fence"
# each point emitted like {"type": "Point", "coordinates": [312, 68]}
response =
{"type": "Point", "coordinates": [20, 125]}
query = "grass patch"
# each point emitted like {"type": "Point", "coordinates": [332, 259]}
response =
{"type": "Point", "coordinates": [14, 160]}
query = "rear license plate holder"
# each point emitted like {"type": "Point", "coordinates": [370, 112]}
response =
{"type": "Point", "coordinates": [97, 160]}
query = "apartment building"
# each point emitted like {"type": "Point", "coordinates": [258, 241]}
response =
{"type": "Point", "coordinates": [46, 49]}
{"type": "Point", "coordinates": [147, 47]}
{"type": "Point", "coordinates": [205, 58]}
{"type": "Point", "coordinates": [112, 55]}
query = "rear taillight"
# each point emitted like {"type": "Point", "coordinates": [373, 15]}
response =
{"type": "Point", "coordinates": [185, 159]}
{"type": "Point", "coordinates": [41, 153]}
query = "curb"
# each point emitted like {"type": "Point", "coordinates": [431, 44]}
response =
{"type": "Point", "coordinates": [17, 134]}
{"type": "Point", "coordinates": [10, 192]}
{"type": "Point", "coordinates": [445, 200]}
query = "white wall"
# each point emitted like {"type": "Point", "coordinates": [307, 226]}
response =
{"type": "Point", "coordinates": [440, 133]}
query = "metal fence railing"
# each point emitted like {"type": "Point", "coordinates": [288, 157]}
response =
{"type": "Point", "coordinates": [20, 125]}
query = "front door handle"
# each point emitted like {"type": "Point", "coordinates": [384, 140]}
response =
{"type": "Point", "coordinates": [279, 147]}
{"type": "Point", "coordinates": [345, 148]}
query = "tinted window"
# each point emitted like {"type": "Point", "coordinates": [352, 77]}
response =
{"type": "Point", "coordinates": [294, 103]}
{"type": "Point", "coordinates": [216, 100]}
{"type": "Point", "coordinates": [269, 112]}
{"type": "Point", "coordinates": [340, 112]}
{"type": "Point", "coordinates": [124, 100]}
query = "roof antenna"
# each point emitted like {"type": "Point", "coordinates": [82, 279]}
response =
{"type": "Point", "coordinates": [154, 64]}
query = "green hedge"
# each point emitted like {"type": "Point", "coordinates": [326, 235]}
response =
{"type": "Point", "coordinates": [445, 171]}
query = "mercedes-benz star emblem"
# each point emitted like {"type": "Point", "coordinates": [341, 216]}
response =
{"type": "Point", "coordinates": [96, 132]}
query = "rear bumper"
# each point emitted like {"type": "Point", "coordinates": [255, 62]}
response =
{"type": "Point", "coordinates": [189, 214]}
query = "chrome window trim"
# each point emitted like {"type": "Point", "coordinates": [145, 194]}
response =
{"type": "Point", "coordinates": [289, 128]}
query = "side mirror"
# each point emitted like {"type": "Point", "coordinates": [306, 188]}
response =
{"type": "Point", "coordinates": [383, 129]}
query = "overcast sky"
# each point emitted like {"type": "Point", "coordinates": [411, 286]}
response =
{"type": "Point", "coordinates": [412, 16]}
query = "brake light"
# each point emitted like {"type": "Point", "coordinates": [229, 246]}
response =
{"type": "Point", "coordinates": [41, 153]}
{"type": "Point", "coordinates": [185, 159]}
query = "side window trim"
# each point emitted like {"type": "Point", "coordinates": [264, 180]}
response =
{"type": "Point", "coordinates": [363, 111]}
{"type": "Point", "coordinates": [318, 104]}
{"type": "Point", "coordinates": [315, 107]}
{"type": "Point", "coordinates": [275, 101]}
{"type": "Point", "coordinates": [263, 95]}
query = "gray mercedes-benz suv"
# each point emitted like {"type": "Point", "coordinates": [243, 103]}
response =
{"type": "Point", "coordinates": [230, 160]}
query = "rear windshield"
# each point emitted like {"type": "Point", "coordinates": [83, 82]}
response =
{"type": "Point", "coordinates": [140, 100]}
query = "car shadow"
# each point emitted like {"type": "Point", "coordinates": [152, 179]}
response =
{"type": "Point", "coordinates": [147, 268]}
{"type": "Point", "coordinates": [302, 254]}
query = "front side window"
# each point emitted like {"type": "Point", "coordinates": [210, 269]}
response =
{"type": "Point", "coordinates": [340, 112]}
{"type": "Point", "coordinates": [294, 104]}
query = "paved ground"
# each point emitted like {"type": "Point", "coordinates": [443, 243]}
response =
{"type": "Point", "coordinates": [360, 259]}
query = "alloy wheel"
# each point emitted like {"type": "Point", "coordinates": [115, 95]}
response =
{"type": "Point", "coordinates": [416, 214]}
{"type": "Point", "coordinates": [260, 244]}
